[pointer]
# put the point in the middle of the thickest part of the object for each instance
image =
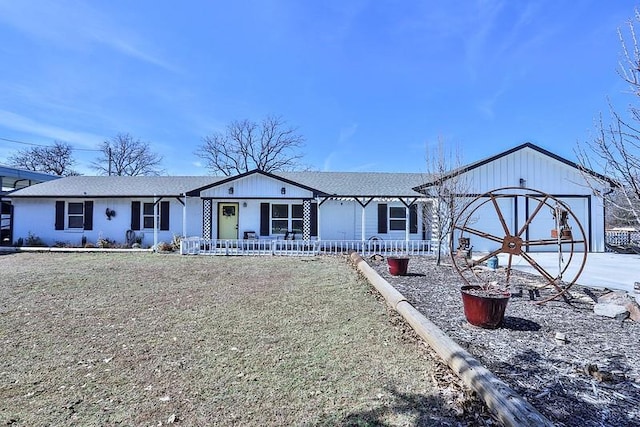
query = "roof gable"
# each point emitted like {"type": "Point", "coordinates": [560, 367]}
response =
{"type": "Point", "coordinates": [524, 146]}
{"type": "Point", "coordinates": [231, 179]}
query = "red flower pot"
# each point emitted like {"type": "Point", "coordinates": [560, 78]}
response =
{"type": "Point", "coordinates": [398, 265]}
{"type": "Point", "coordinates": [484, 308]}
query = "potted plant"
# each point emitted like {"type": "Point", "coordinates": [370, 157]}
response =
{"type": "Point", "coordinates": [398, 265]}
{"type": "Point", "coordinates": [484, 305]}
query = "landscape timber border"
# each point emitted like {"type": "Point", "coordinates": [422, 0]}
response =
{"type": "Point", "coordinates": [509, 407]}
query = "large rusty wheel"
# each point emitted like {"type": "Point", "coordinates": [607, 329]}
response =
{"type": "Point", "coordinates": [497, 214]}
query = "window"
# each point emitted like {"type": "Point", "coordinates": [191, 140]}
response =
{"type": "Point", "coordinates": [148, 214]}
{"type": "Point", "coordinates": [296, 221]}
{"type": "Point", "coordinates": [281, 221]}
{"type": "Point", "coordinates": [76, 215]}
{"type": "Point", "coordinates": [397, 218]}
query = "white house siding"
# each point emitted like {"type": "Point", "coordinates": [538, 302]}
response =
{"type": "Point", "coordinates": [371, 222]}
{"type": "Point", "coordinates": [544, 174]}
{"type": "Point", "coordinates": [256, 185]}
{"type": "Point", "coordinates": [31, 214]}
{"type": "Point", "coordinates": [194, 217]}
{"type": "Point", "coordinates": [339, 220]}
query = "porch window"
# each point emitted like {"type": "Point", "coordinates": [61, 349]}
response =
{"type": "Point", "coordinates": [286, 218]}
{"type": "Point", "coordinates": [397, 218]}
{"type": "Point", "coordinates": [297, 218]}
{"type": "Point", "coordinates": [76, 215]}
{"type": "Point", "coordinates": [148, 214]}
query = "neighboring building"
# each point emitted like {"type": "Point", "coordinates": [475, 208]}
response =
{"type": "Point", "coordinates": [12, 179]}
{"type": "Point", "coordinates": [310, 205]}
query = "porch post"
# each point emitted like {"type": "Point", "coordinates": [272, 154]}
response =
{"type": "Point", "coordinates": [306, 220]}
{"type": "Point", "coordinates": [206, 219]}
{"type": "Point", "coordinates": [364, 219]}
{"type": "Point", "coordinates": [184, 217]}
{"type": "Point", "coordinates": [407, 220]}
{"type": "Point", "coordinates": [155, 222]}
{"type": "Point", "coordinates": [319, 236]}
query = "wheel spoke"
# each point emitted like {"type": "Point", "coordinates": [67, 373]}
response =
{"type": "Point", "coordinates": [537, 266]}
{"type": "Point", "coordinates": [544, 242]}
{"type": "Point", "coordinates": [508, 272]}
{"type": "Point", "coordinates": [533, 215]}
{"type": "Point", "coordinates": [500, 216]}
{"type": "Point", "coordinates": [482, 234]}
{"type": "Point", "coordinates": [486, 257]}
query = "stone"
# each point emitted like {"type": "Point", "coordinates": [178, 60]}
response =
{"type": "Point", "coordinates": [623, 300]}
{"type": "Point", "coordinates": [634, 311]}
{"type": "Point", "coordinates": [616, 297]}
{"type": "Point", "coordinates": [609, 310]}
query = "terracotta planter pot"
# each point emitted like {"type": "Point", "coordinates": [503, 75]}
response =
{"type": "Point", "coordinates": [484, 309]}
{"type": "Point", "coordinates": [398, 265]}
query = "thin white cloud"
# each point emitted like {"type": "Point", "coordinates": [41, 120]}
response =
{"type": "Point", "coordinates": [346, 133]}
{"type": "Point", "coordinates": [30, 126]}
{"type": "Point", "coordinates": [77, 26]}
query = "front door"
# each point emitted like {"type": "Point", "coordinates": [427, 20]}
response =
{"type": "Point", "coordinates": [227, 221]}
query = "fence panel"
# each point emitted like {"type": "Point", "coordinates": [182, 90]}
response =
{"type": "Point", "coordinates": [199, 246]}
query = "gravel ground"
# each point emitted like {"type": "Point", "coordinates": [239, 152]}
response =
{"type": "Point", "coordinates": [592, 379]}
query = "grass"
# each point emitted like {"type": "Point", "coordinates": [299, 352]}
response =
{"type": "Point", "coordinates": [144, 339]}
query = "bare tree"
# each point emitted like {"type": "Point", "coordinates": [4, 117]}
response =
{"type": "Point", "coordinates": [127, 156]}
{"type": "Point", "coordinates": [448, 188]}
{"type": "Point", "coordinates": [615, 150]}
{"type": "Point", "coordinates": [56, 159]}
{"type": "Point", "coordinates": [245, 145]}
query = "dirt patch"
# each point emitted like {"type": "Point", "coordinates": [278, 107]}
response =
{"type": "Point", "coordinates": [150, 339]}
{"type": "Point", "coordinates": [591, 379]}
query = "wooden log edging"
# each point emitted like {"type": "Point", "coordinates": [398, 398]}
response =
{"type": "Point", "coordinates": [510, 408]}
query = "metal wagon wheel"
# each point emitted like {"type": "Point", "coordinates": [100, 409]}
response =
{"type": "Point", "coordinates": [544, 213]}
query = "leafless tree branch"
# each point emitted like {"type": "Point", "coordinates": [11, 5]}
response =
{"type": "Point", "coordinates": [246, 145]}
{"type": "Point", "coordinates": [449, 189]}
{"type": "Point", "coordinates": [614, 151]}
{"type": "Point", "coordinates": [127, 156]}
{"type": "Point", "coordinates": [56, 159]}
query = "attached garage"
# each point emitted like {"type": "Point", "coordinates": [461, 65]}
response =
{"type": "Point", "coordinates": [528, 176]}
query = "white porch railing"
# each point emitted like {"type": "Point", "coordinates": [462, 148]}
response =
{"type": "Point", "coordinates": [200, 246]}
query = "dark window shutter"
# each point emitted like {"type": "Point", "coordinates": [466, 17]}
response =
{"type": "Point", "coordinates": [264, 219]}
{"type": "Point", "coordinates": [164, 215]}
{"type": "Point", "coordinates": [413, 219]}
{"type": "Point", "coordinates": [59, 215]}
{"type": "Point", "coordinates": [314, 219]}
{"type": "Point", "coordinates": [135, 215]}
{"type": "Point", "coordinates": [88, 215]}
{"type": "Point", "coordinates": [382, 217]}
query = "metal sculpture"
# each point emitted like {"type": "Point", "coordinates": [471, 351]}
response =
{"type": "Point", "coordinates": [548, 225]}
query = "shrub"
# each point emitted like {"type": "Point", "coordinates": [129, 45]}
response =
{"type": "Point", "coordinates": [33, 240]}
{"type": "Point", "coordinates": [164, 247]}
{"type": "Point", "coordinates": [175, 242]}
{"type": "Point", "coordinates": [105, 243]}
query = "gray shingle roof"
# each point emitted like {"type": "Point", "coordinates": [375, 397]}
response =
{"type": "Point", "coordinates": [359, 183]}
{"type": "Point", "coordinates": [116, 186]}
{"type": "Point", "coordinates": [328, 183]}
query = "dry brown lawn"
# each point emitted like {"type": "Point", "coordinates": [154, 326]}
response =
{"type": "Point", "coordinates": [97, 339]}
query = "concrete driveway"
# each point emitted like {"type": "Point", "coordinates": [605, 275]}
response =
{"type": "Point", "coordinates": [602, 270]}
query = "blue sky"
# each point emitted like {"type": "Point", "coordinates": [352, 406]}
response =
{"type": "Point", "coordinates": [368, 83]}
